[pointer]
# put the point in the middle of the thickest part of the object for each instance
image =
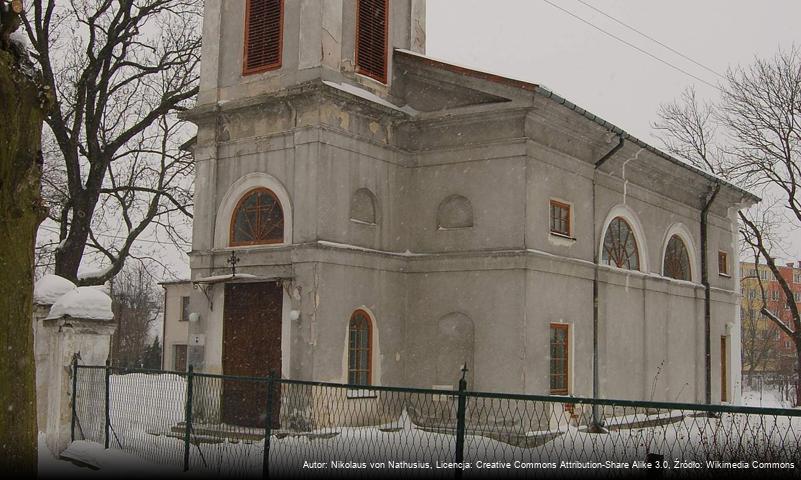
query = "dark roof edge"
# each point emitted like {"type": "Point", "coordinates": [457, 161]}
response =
{"type": "Point", "coordinates": [540, 90]}
{"type": "Point", "coordinates": [174, 282]}
{"type": "Point", "coordinates": [619, 131]}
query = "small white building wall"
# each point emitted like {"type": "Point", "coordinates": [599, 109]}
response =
{"type": "Point", "coordinates": [176, 329]}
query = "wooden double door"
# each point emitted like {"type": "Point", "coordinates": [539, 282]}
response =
{"type": "Point", "coordinates": [251, 348]}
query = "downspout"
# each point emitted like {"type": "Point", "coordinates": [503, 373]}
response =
{"type": "Point", "coordinates": [596, 419]}
{"type": "Point", "coordinates": [708, 199]}
{"type": "Point", "coordinates": [164, 327]}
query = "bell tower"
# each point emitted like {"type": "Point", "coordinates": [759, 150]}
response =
{"type": "Point", "coordinates": [254, 47]}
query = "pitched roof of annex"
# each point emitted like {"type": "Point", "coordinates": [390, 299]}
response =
{"type": "Point", "coordinates": [549, 94]}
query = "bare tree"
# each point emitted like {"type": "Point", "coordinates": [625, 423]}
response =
{"type": "Point", "coordinates": [137, 305]}
{"type": "Point", "coordinates": [23, 105]}
{"type": "Point", "coordinates": [120, 71]}
{"type": "Point", "coordinates": [752, 137]}
{"type": "Point", "coordinates": [758, 338]}
{"type": "Point", "coordinates": [759, 333]}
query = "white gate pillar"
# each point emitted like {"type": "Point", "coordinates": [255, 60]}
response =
{"type": "Point", "coordinates": [80, 323]}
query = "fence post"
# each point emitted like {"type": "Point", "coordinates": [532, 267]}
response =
{"type": "Point", "coordinates": [108, 397]}
{"type": "Point", "coordinates": [268, 427]}
{"type": "Point", "coordinates": [188, 423]}
{"type": "Point", "coordinates": [460, 427]}
{"type": "Point", "coordinates": [74, 396]}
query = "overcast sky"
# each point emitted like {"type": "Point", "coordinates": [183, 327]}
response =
{"type": "Point", "coordinates": [534, 40]}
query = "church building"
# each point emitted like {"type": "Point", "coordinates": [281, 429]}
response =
{"type": "Point", "coordinates": [366, 214]}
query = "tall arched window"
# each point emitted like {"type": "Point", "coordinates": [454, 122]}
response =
{"type": "Point", "coordinates": [360, 349]}
{"type": "Point", "coordinates": [257, 219]}
{"type": "Point", "coordinates": [620, 245]}
{"type": "Point", "coordinates": [677, 260]}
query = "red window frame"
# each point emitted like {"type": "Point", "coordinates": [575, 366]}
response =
{"type": "Point", "coordinates": [380, 76]}
{"type": "Point", "coordinates": [231, 238]}
{"type": "Point", "coordinates": [565, 360]}
{"type": "Point", "coordinates": [555, 228]}
{"type": "Point", "coordinates": [355, 368]}
{"type": "Point", "coordinates": [270, 66]}
{"type": "Point", "coordinates": [723, 263]}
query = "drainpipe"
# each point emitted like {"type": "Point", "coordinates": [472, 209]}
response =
{"type": "Point", "coordinates": [708, 199]}
{"type": "Point", "coordinates": [596, 419]}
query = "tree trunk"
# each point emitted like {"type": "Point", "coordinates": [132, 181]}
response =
{"type": "Point", "coordinates": [21, 115]}
{"type": "Point", "coordinates": [797, 370]}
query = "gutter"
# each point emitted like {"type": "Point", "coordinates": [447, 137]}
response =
{"type": "Point", "coordinates": [163, 326]}
{"type": "Point", "coordinates": [540, 90]}
{"type": "Point", "coordinates": [596, 417]}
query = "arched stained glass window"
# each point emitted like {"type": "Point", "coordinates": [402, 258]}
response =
{"type": "Point", "coordinates": [620, 246]}
{"type": "Point", "coordinates": [360, 339]}
{"type": "Point", "coordinates": [258, 219]}
{"type": "Point", "coordinates": [677, 260]}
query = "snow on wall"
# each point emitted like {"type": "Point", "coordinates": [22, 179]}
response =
{"type": "Point", "coordinates": [83, 302]}
{"type": "Point", "coordinates": [50, 288]}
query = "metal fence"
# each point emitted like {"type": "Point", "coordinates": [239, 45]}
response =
{"type": "Point", "coordinates": [261, 427]}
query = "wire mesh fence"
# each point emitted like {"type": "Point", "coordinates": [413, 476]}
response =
{"type": "Point", "coordinates": [218, 425]}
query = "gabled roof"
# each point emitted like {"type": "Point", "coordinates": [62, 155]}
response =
{"type": "Point", "coordinates": [550, 95]}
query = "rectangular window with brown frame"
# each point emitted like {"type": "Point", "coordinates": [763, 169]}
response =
{"type": "Point", "coordinates": [179, 358]}
{"type": "Point", "coordinates": [372, 28]}
{"type": "Point", "coordinates": [560, 218]}
{"type": "Point", "coordinates": [184, 309]}
{"type": "Point", "coordinates": [560, 359]}
{"type": "Point", "coordinates": [723, 263]}
{"type": "Point", "coordinates": [263, 35]}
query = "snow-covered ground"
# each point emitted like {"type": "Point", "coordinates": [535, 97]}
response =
{"type": "Point", "coordinates": [108, 462]}
{"type": "Point", "coordinates": [144, 408]}
{"type": "Point", "coordinates": [768, 398]}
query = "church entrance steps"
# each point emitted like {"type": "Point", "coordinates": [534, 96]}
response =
{"type": "Point", "coordinates": [520, 440]}
{"type": "Point", "coordinates": [219, 433]}
{"type": "Point", "coordinates": [644, 421]}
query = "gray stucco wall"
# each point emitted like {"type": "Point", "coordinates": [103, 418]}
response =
{"type": "Point", "coordinates": [504, 149]}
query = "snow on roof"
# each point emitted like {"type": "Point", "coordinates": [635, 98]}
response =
{"type": "Point", "coordinates": [226, 278]}
{"type": "Point", "coordinates": [94, 273]}
{"type": "Point", "coordinates": [50, 288]}
{"type": "Point", "coordinates": [367, 95]}
{"type": "Point", "coordinates": [83, 302]}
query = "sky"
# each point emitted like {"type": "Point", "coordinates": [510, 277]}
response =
{"type": "Point", "coordinates": [542, 41]}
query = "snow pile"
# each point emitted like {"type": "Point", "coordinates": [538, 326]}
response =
{"type": "Point", "coordinates": [83, 302]}
{"type": "Point", "coordinates": [369, 96]}
{"type": "Point", "coordinates": [94, 273]}
{"type": "Point", "coordinates": [50, 288]}
{"type": "Point", "coordinates": [100, 462]}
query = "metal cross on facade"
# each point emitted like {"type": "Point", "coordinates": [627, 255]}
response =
{"type": "Point", "coordinates": [233, 260]}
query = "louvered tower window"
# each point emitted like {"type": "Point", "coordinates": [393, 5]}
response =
{"type": "Point", "coordinates": [263, 35]}
{"type": "Point", "coordinates": [371, 39]}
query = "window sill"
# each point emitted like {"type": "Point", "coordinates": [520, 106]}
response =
{"type": "Point", "coordinates": [257, 246]}
{"type": "Point", "coordinates": [362, 222]}
{"type": "Point", "coordinates": [451, 229]}
{"type": "Point", "coordinates": [361, 393]}
{"type": "Point", "coordinates": [724, 275]}
{"type": "Point", "coordinates": [561, 240]}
